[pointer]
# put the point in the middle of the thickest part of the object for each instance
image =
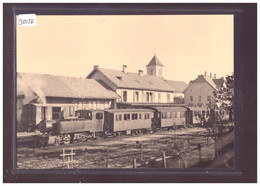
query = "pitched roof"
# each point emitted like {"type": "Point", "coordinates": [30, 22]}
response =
{"type": "Point", "coordinates": [155, 61]}
{"type": "Point", "coordinates": [179, 86]}
{"type": "Point", "coordinates": [208, 79]}
{"type": "Point", "coordinates": [134, 80]}
{"type": "Point", "coordinates": [69, 87]}
{"type": "Point", "coordinates": [219, 82]}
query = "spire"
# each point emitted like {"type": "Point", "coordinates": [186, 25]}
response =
{"type": "Point", "coordinates": [155, 62]}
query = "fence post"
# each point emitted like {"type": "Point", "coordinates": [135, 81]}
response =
{"type": "Point", "coordinates": [71, 151]}
{"type": "Point", "coordinates": [199, 148]}
{"type": "Point", "coordinates": [163, 159]}
{"type": "Point", "coordinates": [68, 162]}
{"type": "Point", "coordinates": [141, 152]}
{"type": "Point", "coordinates": [134, 163]}
{"type": "Point", "coordinates": [107, 159]}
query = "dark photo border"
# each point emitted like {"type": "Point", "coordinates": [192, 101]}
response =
{"type": "Point", "coordinates": [245, 71]}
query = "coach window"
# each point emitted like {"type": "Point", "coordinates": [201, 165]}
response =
{"type": "Point", "coordinates": [168, 114]}
{"type": "Point", "coordinates": [99, 115]}
{"type": "Point", "coordinates": [182, 114]}
{"type": "Point", "coordinates": [178, 114]}
{"type": "Point", "coordinates": [126, 116]}
{"type": "Point", "coordinates": [134, 116]}
{"type": "Point", "coordinates": [56, 112]}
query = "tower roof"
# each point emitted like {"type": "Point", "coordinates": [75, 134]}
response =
{"type": "Point", "coordinates": [155, 62]}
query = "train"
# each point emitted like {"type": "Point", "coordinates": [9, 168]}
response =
{"type": "Point", "coordinates": [63, 124]}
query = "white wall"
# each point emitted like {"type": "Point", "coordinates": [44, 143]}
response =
{"type": "Point", "coordinates": [142, 96]}
{"type": "Point", "coordinates": [196, 90]}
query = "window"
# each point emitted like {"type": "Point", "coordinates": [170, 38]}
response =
{"type": "Point", "coordinates": [134, 116]}
{"type": "Point", "coordinates": [124, 96]}
{"type": "Point", "coordinates": [140, 116]}
{"type": "Point", "coordinates": [99, 115]}
{"type": "Point", "coordinates": [43, 110]}
{"type": "Point", "coordinates": [56, 112]}
{"type": "Point", "coordinates": [168, 98]}
{"type": "Point", "coordinates": [208, 98]}
{"type": "Point", "coordinates": [126, 116]}
{"type": "Point", "coordinates": [199, 98]}
{"type": "Point", "coordinates": [137, 96]}
{"type": "Point", "coordinates": [116, 117]}
{"type": "Point", "coordinates": [147, 96]}
{"type": "Point", "coordinates": [178, 114]}
{"type": "Point", "coordinates": [163, 114]}
{"type": "Point", "coordinates": [159, 97]}
{"type": "Point", "coordinates": [182, 114]}
{"type": "Point", "coordinates": [191, 98]}
{"type": "Point", "coordinates": [151, 71]}
{"type": "Point", "coordinates": [146, 116]}
{"type": "Point", "coordinates": [174, 114]}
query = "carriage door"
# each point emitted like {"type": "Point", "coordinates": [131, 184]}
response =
{"type": "Point", "coordinates": [189, 119]}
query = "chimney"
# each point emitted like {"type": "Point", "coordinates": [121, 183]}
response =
{"type": "Point", "coordinates": [210, 74]}
{"type": "Point", "coordinates": [140, 72]}
{"type": "Point", "coordinates": [205, 73]}
{"type": "Point", "coordinates": [95, 66]}
{"type": "Point", "coordinates": [125, 68]}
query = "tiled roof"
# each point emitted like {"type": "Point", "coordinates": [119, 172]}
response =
{"type": "Point", "coordinates": [134, 80]}
{"type": "Point", "coordinates": [155, 61]}
{"type": "Point", "coordinates": [214, 83]}
{"type": "Point", "coordinates": [179, 86]}
{"type": "Point", "coordinates": [68, 87]}
{"type": "Point", "coordinates": [219, 82]}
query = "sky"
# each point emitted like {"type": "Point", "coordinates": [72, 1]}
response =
{"type": "Point", "coordinates": [187, 45]}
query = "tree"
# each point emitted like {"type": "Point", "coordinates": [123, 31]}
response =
{"type": "Point", "coordinates": [223, 102]}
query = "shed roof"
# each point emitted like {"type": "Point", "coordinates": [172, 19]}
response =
{"type": "Point", "coordinates": [67, 87]}
{"type": "Point", "coordinates": [134, 80]}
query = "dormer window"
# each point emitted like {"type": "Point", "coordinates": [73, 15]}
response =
{"type": "Point", "coordinates": [119, 77]}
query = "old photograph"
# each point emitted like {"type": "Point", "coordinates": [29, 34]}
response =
{"type": "Point", "coordinates": [125, 91]}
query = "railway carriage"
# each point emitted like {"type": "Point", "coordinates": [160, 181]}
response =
{"type": "Point", "coordinates": [127, 120]}
{"type": "Point", "coordinates": [171, 117]}
{"type": "Point", "coordinates": [34, 113]}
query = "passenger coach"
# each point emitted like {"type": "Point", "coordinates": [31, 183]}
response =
{"type": "Point", "coordinates": [127, 120]}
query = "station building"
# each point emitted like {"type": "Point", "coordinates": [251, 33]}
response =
{"type": "Point", "coordinates": [138, 88]}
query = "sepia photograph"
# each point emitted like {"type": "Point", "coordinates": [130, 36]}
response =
{"type": "Point", "coordinates": [125, 91]}
{"type": "Point", "coordinates": [129, 93]}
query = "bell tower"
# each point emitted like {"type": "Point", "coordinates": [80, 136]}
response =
{"type": "Point", "coordinates": [154, 68]}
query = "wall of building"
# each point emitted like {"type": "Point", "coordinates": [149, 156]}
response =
{"type": "Point", "coordinates": [142, 96]}
{"type": "Point", "coordinates": [195, 90]}
{"type": "Point", "coordinates": [157, 71]}
{"type": "Point", "coordinates": [89, 104]}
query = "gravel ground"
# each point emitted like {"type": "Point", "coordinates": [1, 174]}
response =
{"type": "Point", "coordinates": [179, 146]}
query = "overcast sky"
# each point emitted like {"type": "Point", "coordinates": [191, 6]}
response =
{"type": "Point", "coordinates": [187, 45]}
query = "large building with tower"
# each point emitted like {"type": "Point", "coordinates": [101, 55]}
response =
{"type": "Point", "coordinates": [138, 88]}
